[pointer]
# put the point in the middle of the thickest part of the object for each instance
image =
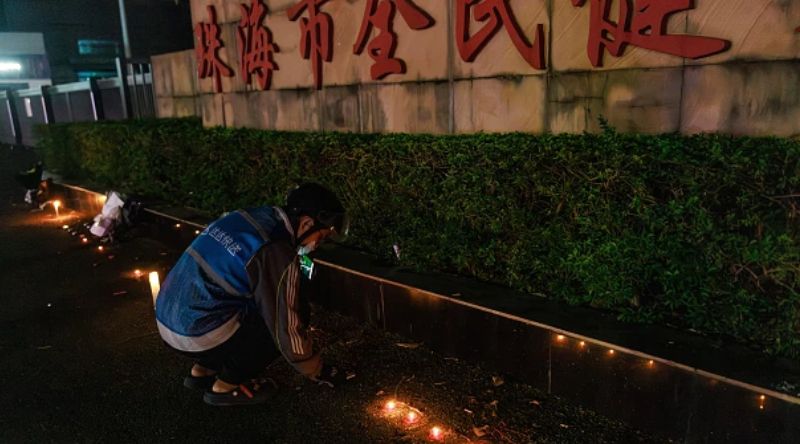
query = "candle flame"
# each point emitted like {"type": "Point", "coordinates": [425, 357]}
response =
{"type": "Point", "coordinates": [155, 285]}
{"type": "Point", "coordinates": [137, 273]}
{"type": "Point", "coordinates": [391, 405]}
{"type": "Point", "coordinates": [611, 352]}
{"type": "Point", "coordinates": [436, 433]}
{"type": "Point", "coordinates": [560, 337]}
{"type": "Point", "coordinates": [411, 417]}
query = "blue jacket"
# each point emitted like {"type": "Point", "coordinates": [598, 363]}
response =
{"type": "Point", "coordinates": [205, 294]}
{"type": "Point", "coordinates": [244, 261]}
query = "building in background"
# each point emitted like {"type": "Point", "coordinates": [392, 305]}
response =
{"type": "Point", "coordinates": [82, 38]}
{"type": "Point", "coordinates": [23, 61]}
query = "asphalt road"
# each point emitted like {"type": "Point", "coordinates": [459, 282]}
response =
{"type": "Point", "coordinates": [81, 361]}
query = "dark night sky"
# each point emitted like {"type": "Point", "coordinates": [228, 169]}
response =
{"type": "Point", "coordinates": [155, 27]}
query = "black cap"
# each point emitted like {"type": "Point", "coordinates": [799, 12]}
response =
{"type": "Point", "coordinates": [321, 204]}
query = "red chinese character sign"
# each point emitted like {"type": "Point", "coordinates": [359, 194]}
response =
{"type": "Point", "coordinates": [255, 45]}
{"type": "Point", "coordinates": [380, 14]}
{"type": "Point", "coordinates": [643, 23]}
{"type": "Point", "coordinates": [207, 51]}
{"type": "Point", "coordinates": [317, 35]}
{"type": "Point", "coordinates": [496, 14]}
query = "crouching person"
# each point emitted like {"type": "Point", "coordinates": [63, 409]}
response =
{"type": "Point", "coordinates": [232, 303]}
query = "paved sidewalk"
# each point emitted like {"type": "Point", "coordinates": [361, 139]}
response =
{"type": "Point", "coordinates": [82, 362]}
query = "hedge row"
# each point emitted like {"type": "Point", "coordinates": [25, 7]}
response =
{"type": "Point", "coordinates": [699, 232]}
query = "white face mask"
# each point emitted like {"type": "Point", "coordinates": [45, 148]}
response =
{"type": "Point", "coordinates": [303, 250]}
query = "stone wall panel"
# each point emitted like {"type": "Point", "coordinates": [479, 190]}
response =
{"type": "Point", "coordinates": [162, 75]}
{"type": "Point", "coordinates": [263, 109]}
{"type": "Point", "coordinates": [227, 10]}
{"type": "Point", "coordinates": [293, 70]}
{"type": "Point", "coordinates": [643, 101]}
{"type": "Point", "coordinates": [237, 114]}
{"type": "Point", "coordinates": [757, 29]}
{"type": "Point", "coordinates": [571, 36]}
{"type": "Point", "coordinates": [229, 55]}
{"type": "Point", "coordinates": [405, 108]}
{"type": "Point", "coordinates": [746, 98]}
{"type": "Point", "coordinates": [423, 51]}
{"type": "Point", "coordinates": [165, 107]}
{"type": "Point", "coordinates": [345, 67]}
{"type": "Point", "coordinates": [185, 107]}
{"type": "Point", "coordinates": [213, 111]}
{"type": "Point", "coordinates": [500, 56]}
{"type": "Point", "coordinates": [500, 105]}
{"type": "Point", "coordinates": [279, 6]}
{"type": "Point", "coordinates": [340, 109]}
{"type": "Point", "coordinates": [297, 110]}
{"type": "Point", "coordinates": [183, 74]}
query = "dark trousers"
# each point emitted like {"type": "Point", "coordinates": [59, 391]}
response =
{"type": "Point", "coordinates": [242, 357]}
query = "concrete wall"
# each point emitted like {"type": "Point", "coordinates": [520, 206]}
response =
{"type": "Point", "coordinates": [752, 88]}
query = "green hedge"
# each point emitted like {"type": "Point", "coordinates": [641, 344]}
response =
{"type": "Point", "coordinates": [699, 232]}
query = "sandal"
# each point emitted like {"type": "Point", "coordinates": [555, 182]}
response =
{"type": "Point", "coordinates": [250, 393]}
{"type": "Point", "coordinates": [199, 382]}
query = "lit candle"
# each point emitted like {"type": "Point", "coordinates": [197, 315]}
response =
{"type": "Point", "coordinates": [65, 227]}
{"type": "Point", "coordinates": [155, 285]}
{"type": "Point", "coordinates": [137, 273]}
{"type": "Point", "coordinates": [84, 240]}
{"type": "Point", "coordinates": [177, 225]}
{"type": "Point", "coordinates": [196, 231]}
{"type": "Point", "coordinates": [412, 417]}
{"type": "Point", "coordinates": [100, 248]}
{"type": "Point", "coordinates": [560, 338]}
{"type": "Point", "coordinates": [651, 363]}
{"type": "Point", "coordinates": [56, 205]}
{"type": "Point", "coordinates": [611, 352]}
{"type": "Point", "coordinates": [436, 433]}
{"type": "Point", "coordinates": [390, 406]}
{"type": "Point", "coordinates": [582, 344]}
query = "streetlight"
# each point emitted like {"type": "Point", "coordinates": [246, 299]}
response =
{"type": "Point", "coordinates": [123, 19]}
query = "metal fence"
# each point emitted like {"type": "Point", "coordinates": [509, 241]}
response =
{"type": "Point", "coordinates": [128, 95]}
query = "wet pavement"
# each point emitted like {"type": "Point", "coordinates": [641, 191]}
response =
{"type": "Point", "coordinates": [82, 362]}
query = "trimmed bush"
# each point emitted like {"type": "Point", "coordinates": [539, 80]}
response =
{"type": "Point", "coordinates": [700, 231]}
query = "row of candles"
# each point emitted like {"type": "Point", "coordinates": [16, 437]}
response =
{"type": "Point", "coordinates": [611, 351]}
{"type": "Point", "coordinates": [152, 276]}
{"type": "Point", "coordinates": [410, 417]}
{"type": "Point", "coordinates": [650, 364]}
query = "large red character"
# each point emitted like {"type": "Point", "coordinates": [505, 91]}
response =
{"type": "Point", "coordinates": [643, 23]}
{"type": "Point", "coordinates": [207, 51]}
{"type": "Point", "coordinates": [497, 13]}
{"type": "Point", "coordinates": [381, 48]}
{"type": "Point", "coordinates": [255, 45]}
{"type": "Point", "coordinates": [317, 38]}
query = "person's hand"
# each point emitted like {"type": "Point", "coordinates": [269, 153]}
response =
{"type": "Point", "coordinates": [330, 376]}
